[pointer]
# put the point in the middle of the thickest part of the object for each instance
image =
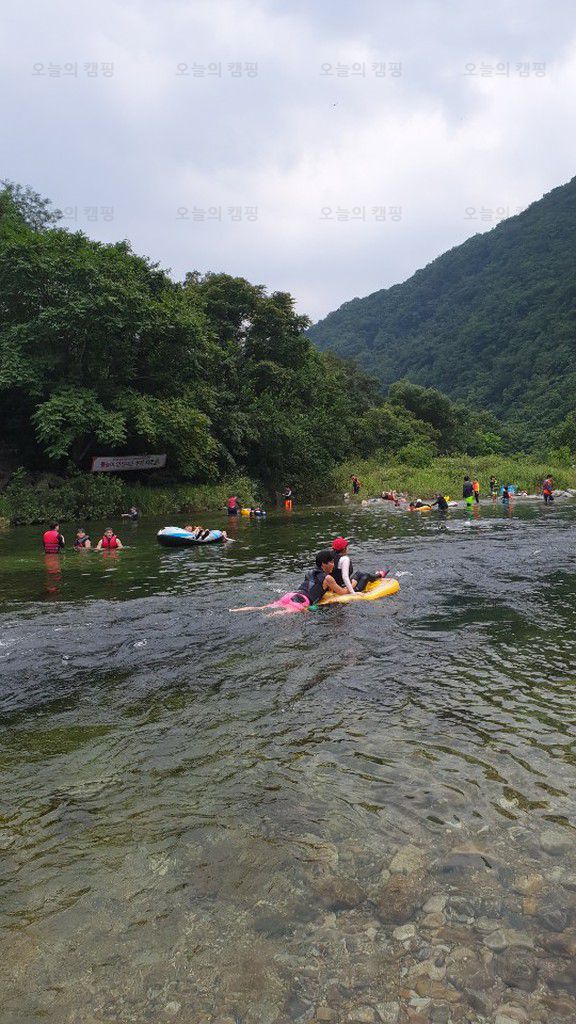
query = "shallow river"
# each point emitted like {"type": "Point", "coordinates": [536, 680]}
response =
{"type": "Point", "coordinates": [361, 813]}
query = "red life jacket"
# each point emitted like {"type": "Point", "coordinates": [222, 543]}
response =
{"type": "Point", "coordinates": [109, 542]}
{"type": "Point", "coordinates": [51, 542]}
{"type": "Point", "coordinates": [232, 502]}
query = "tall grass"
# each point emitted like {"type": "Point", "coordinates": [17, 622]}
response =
{"type": "Point", "coordinates": [445, 475]}
{"type": "Point", "coordinates": [179, 498]}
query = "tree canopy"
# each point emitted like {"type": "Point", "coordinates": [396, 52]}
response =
{"type": "Point", "coordinates": [102, 352]}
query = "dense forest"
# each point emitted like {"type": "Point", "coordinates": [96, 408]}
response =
{"type": "Point", "coordinates": [492, 323]}
{"type": "Point", "coordinates": [102, 352]}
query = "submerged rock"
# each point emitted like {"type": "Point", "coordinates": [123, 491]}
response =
{"type": "Point", "coordinates": [337, 893]}
{"type": "Point", "coordinates": [518, 968]}
{"type": "Point", "coordinates": [407, 860]}
{"type": "Point", "coordinates": [398, 900]}
{"type": "Point", "coordinates": [388, 1012]}
{"type": "Point", "coordinates": [554, 841]}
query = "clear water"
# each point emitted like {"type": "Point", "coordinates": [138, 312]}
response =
{"type": "Point", "coordinates": [200, 810]}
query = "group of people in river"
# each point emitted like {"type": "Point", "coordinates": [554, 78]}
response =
{"type": "Point", "coordinates": [54, 541]}
{"type": "Point", "coordinates": [470, 495]}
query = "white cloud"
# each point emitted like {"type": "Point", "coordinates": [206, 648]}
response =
{"type": "Point", "coordinates": [290, 141]}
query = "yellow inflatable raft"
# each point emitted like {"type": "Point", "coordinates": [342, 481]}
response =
{"type": "Point", "coordinates": [421, 508]}
{"type": "Point", "coordinates": [373, 591]}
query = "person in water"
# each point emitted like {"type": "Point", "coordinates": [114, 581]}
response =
{"type": "Point", "coordinates": [505, 495]}
{"type": "Point", "coordinates": [233, 508]}
{"type": "Point", "coordinates": [109, 542]}
{"type": "Point", "coordinates": [440, 503]}
{"type": "Point", "coordinates": [493, 486]}
{"type": "Point", "coordinates": [476, 489]}
{"type": "Point", "coordinates": [133, 514]}
{"type": "Point", "coordinates": [82, 540]}
{"type": "Point", "coordinates": [468, 492]}
{"type": "Point", "coordinates": [343, 571]}
{"type": "Point", "coordinates": [547, 489]}
{"type": "Point", "coordinates": [53, 540]}
{"type": "Point", "coordinates": [356, 485]}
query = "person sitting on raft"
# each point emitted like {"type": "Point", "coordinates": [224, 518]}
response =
{"type": "Point", "coordinates": [343, 572]}
{"type": "Point", "coordinates": [109, 541]}
{"type": "Point", "coordinates": [201, 533]}
{"type": "Point", "coordinates": [318, 580]}
{"type": "Point", "coordinates": [82, 540]}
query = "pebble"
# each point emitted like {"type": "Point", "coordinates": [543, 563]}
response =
{"type": "Point", "coordinates": [434, 921]}
{"type": "Point", "coordinates": [528, 885]}
{"type": "Point", "coordinates": [362, 1015]}
{"type": "Point", "coordinates": [338, 893]}
{"type": "Point", "coordinates": [510, 1012]}
{"type": "Point", "coordinates": [435, 905]}
{"type": "Point", "coordinates": [553, 841]}
{"type": "Point", "coordinates": [397, 902]}
{"type": "Point", "coordinates": [405, 931]}
{"type": "Point", "coordinates": [407, 860]}
{"type": "Point", "coordinates": [569, 882]}
{"type": "Point", "coordinates": [420, 1002]}
{"type": "Point", "coordinates": [324, 1013]}
{"type": "Point", "coordinates": [518, 968]}
{"type": "Point", "coordinates": [501, 939]}
{"type": "Point", "coordinates": [172, 1007]}
{"type": "Point", "coordinates": [487, 925]}
{"type": "Point", "coordinates": [440, 1015]}
{"type": "Point", "coordinates": [388, 1012]}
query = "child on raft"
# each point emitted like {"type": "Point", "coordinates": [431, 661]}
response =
{"type": "Point", "coordinates": [343, 572]}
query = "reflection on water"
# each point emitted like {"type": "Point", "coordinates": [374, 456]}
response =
{"type": "Point", "coordinates": [360, 814]}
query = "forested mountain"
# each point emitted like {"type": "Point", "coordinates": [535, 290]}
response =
{"type": "Point", "coordinates": [491, 322]}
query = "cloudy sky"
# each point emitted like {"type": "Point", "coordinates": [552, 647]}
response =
{"type": "Point", "coordinates": [325, 147]}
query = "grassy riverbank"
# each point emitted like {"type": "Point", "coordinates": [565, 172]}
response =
{"type": "Point", "coordinates": [85, 496]}
{"type": "Point", "coordinates": [446, 475]}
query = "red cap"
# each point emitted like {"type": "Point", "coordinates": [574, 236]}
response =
{"type": "Point", "coordinates": [340, 544]}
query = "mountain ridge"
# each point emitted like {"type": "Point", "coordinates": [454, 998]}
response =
{"type": "Point", "coordinates": [491, 321]}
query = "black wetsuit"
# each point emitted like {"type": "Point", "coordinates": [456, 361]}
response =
{"type": "Point", "coordinates": [311, 585]}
